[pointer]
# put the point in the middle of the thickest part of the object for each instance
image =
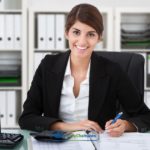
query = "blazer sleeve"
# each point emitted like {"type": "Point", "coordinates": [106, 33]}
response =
{"type": "Point", "coordinates": [138, 112]}
{"type": "Point", "coordinates": [32, 118]}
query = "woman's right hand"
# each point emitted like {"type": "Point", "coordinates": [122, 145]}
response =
{"type": "Point", "coordinates": [81, 125]}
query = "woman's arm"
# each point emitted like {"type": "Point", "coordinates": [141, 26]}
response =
{"type": "Point", "coordinates": [32, 118]}
{"type": "Point", "coordinates": [81, 125]}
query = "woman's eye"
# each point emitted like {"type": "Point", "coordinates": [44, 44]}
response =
{"type": "Point", "coordinates": [91, 34]}
{"type": "Point", "coordinates": [76, 32]}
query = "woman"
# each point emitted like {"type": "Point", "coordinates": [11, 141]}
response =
{"type": "Point", "coordinates": [78, 90]}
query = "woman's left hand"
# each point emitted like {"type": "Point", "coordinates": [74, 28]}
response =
{"type": "Point", "coordinates": [119, 127]}
{"type": "Point", "coordinates": [116, 129]}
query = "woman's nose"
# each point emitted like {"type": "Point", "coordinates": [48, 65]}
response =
{"type": "Point", "coordinates": [82, 40]}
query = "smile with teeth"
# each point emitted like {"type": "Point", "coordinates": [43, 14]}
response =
{"type": "Point", "coordinates": [81, 48]}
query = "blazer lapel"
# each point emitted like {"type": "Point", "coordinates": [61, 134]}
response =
{"type": "Point", "coordinates": [54, 83]}
{"type": "Point", "coordinates": [98, 86]}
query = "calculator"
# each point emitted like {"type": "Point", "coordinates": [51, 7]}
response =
{"type": "Point", "coordinates": [53, 136]}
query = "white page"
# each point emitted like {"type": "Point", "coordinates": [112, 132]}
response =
{"type": "Point", "coordinates": [138, 141]}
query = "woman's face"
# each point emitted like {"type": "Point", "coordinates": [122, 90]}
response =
{"type": "Point", "coordinates": [82, 39]}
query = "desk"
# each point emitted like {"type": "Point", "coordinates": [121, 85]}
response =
{"type": "Point", "coordinates": [23, 144]}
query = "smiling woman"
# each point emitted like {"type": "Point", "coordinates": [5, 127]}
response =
{"type": "Point", "coordinates": [78, 90]}
{"type": "Point", "coordinates": [82, 40]}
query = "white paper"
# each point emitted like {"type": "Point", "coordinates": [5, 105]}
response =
{"type": "Point", "coordinates": [128, 141]}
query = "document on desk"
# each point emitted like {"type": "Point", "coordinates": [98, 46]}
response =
{"type": "Point", "coordinates": [128, 141]}
{"type": "Point", "coordinates": [67, 145]}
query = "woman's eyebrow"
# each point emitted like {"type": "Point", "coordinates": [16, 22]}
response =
{"type": "Point", "coordinates": [93, 31]}
{"type": "Point", "coordinates": [76, 29]}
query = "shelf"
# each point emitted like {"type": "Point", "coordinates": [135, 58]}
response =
{"type": "Point", "coordinates": [132, 29]}
{"type": "Point", "coordinates": [13, 61]}
{"type": "Point", "coordinates": [12, 11]}
{"type": "Point", "coordinates": [147, 89]}
{"type": "Point", "coordinates": [10, 88]}
{"type": "Point", "coordinates": [10, 127]}
{"type": "Point", "coordinates": [10, 50]}
{"type": "Point", "coordinates": [136, 50]}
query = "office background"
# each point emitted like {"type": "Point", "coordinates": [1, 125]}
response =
{"type": "Point", "coordinates": [30, 29]}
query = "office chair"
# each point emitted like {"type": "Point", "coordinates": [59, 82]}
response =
{"type": "Point", "coordinates": [133, 64]}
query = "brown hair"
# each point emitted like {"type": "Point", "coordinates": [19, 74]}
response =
{"type": "Point", "coordinates": [85, 13]}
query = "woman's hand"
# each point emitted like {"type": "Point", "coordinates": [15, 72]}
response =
{"type": "Point", "coordinates": [81, 125]}
{"type": "Point", "coordinates": [119, 127]}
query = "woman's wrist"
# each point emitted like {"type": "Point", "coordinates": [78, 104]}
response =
{"type": "Point", "coordinates": [57, 126]}
{"type": "Point", "coordinates": [129, 127]}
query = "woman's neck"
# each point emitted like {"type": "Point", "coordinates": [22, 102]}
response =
{"type": "Point", "coordinates": [79, 65]}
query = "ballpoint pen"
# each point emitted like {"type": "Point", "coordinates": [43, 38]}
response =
{"type": "Point", "coordinates": [118, 116]}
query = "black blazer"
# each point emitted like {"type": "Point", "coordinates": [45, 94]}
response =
{"type": "Point", "coordinates": [108, 83]}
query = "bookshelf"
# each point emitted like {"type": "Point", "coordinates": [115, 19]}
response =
{"type": "Point", "coordinates": [13, 64]}
{"type": "Point", "coordinates": [132, 28]}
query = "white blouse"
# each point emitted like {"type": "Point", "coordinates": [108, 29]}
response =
{"type": "Point", "coordinates": [73, 108]}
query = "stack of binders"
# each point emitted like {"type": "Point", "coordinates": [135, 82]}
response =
{"type": "Point", "coordinates": [10, 75]}
{"type": "Point", "coordinates": [135, 36]}
{"type": "Point", "coordinates": [10, 69]}
{"type": "Point", "coordinates": [10, 107]}
{"type": "Point", "coordinates": [50, 32]}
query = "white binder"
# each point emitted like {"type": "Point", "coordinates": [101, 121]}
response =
{"type": "Point", "coordinates": [2, 5]}
{"type": "Point", "coordinates": [148, 63]}
{"type": "Point", "coordinates": [60, 31]}
{"type": "Point", "coordinates": [41, 31]}
{"type": "Point", "coordinates": [9, 30]}
{"type": "Point", "coordinates": [2, 27]}
{"type": "Point", "coordinates": [3, 108]}
{"type": "Point", "coordinates": [50, 34]}
{"type": "Point", "coordinates": [17, 29]}
{"type": "Point", "coordinates": [37, 60]}
{"type": "Point", "coordinates": [148, 99]}
{"type": "Point", "coordinates": [11, 108]}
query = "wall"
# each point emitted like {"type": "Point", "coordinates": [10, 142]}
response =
{"type": "Point", "coordinates": [70, 3]}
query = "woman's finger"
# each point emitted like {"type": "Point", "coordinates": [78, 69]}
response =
{"type": "Point", "coordinates": [108, 123]}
